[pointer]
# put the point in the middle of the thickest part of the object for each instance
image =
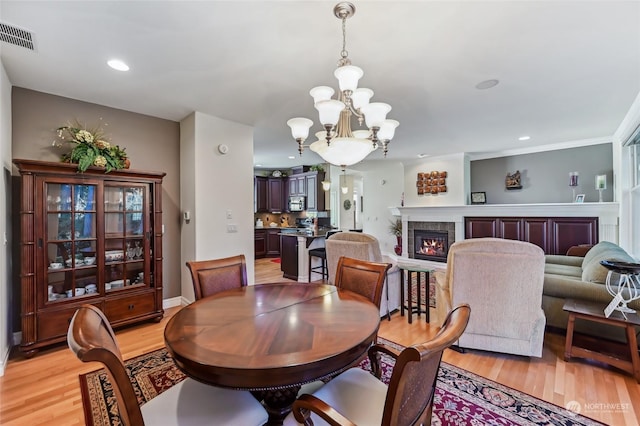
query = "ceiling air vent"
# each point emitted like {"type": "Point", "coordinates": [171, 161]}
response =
{"type": "Point", "coordinates": [17, 36]}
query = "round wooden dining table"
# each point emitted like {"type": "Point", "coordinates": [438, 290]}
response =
{"type": "Point", "coordinates": [272, 338]}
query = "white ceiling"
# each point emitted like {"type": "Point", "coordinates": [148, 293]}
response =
{"type": "Point", "coordinates": [568, 70]}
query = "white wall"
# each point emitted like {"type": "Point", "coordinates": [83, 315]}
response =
{"type": "Point", "coordinates": [456, 166]}
{"type": "Point", "coordinates": [213, 186]}
{"type": "Point", "coordinates": [624, 191]}
{"type": "Point", "coordinates": [5, 214]}
{"type": "Point", "coordinates": [382, 186]}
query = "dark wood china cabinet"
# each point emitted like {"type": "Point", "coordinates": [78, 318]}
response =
{"type": "Point", "coordinates": [91, 237]}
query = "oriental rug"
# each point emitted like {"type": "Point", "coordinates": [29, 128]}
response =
{"type": "Point", "coordinates": [461, 398]}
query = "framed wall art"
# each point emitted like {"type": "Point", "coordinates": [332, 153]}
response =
{"type": "Point", "coordinates": [478, 198]}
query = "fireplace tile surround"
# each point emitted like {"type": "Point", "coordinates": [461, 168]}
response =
{"type": "Point", "coordinates": [451, 219]}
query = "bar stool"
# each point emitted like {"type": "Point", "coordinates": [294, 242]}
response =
{"type": "Point", "coordinates": [321, 253]}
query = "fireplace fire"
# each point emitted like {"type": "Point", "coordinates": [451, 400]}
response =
{"type": "Point", "coordinates": [431, 245]}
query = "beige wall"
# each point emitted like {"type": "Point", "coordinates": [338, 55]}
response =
{"type": "Point", "coordinates": [217, 190]}
{"type": "Point", "coordinates": [151, 144]}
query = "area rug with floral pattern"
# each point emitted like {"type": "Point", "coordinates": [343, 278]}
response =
{"type": "Point", "coordinates": [462, 398]}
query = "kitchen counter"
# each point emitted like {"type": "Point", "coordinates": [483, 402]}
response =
{"type": "Point", "coordinates": [297, 232]}
{"type": "Point", "coordinates": [295, 245]}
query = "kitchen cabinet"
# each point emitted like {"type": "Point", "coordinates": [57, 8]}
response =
{"type": "Point", "coordinates": [91, 237]}
{"type": "Point", "coordinates": [275, 195]}
{"type": "Point", "coordinates": [315, 193]}
{"type": "Point", "coordinates": [297, 185]}
{"type": "Point", "coordinates": [260, 243]}
{"type": "Point", "coordinates": [273, 242]}
{"type": "Point", "coordinates": [289, 256]}
{"type": "Point", "coordinates": [553, 234]}
{"type": "Point", "coordinates": [260, 194]}
{"type": "Point", "coordinates": [308, 185]}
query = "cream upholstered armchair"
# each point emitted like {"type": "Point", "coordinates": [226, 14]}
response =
{"type": "Point", "coordinates": [502, 282]}
{"type": "Point", "coordinates": [362, 246]}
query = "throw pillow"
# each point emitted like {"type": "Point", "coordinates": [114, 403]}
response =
{"type": "Point", "coordinates": [596, 273]}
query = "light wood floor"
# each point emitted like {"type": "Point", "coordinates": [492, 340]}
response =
{"type": "Point", "coordinates": [44, 390]}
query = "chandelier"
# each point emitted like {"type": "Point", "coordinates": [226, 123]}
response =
{"type": "Point", "coordinates": [338, 144]}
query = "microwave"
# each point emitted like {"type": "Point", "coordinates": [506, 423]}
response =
{"type": "Point", "coordinates": [296, 204]}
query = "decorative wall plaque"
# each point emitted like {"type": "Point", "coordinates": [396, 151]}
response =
{"type": "Point", "coordinates": [433, 182]}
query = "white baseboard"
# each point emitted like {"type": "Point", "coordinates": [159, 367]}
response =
{"type": "Point", "coordinates": [17, 338]}
{"type": "Point", "coordinates": [174, 301]}
{"type": "Point", "coordinates": [4, 361]}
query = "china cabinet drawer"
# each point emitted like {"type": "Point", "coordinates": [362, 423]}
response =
{"type": "Point", "coordinates": [125, 308]}
{"type": "Point", "coordinates": [54, 324]}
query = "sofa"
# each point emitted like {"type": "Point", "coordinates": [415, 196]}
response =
{"type": "Point", "coordinates": [581, 278]}
{"type": "Point", "coordinates": [364, 247]}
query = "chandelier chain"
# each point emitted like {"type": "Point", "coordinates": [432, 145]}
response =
{"type": "Point", "coordinates": [344, 54]}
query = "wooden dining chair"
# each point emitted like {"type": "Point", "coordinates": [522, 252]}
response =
{"type": "Point", "coordinates": [357, 397]}
{"type": "Point", "coordinates": [362, 277]}
{"type": "Point", "coordinates": [213, 276]}
{"type": "Point", "coordinates": [91, 338]}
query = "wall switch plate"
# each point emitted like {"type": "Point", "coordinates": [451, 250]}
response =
{"type": "Point", "coordinates": [229, 215]}
{"type": "Point", "coordinates": [232, 228]}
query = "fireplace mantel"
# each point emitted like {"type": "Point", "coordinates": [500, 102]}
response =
{"type": "Point", "coordinates": [607, 214]}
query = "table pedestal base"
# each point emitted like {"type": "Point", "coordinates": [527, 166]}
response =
{"type": "Point", "coordinates": [277, 402]}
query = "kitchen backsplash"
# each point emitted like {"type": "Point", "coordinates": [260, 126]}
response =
{"type": "Point", "coordinates": [283, 219]}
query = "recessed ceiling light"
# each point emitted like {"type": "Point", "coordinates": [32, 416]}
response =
{"type": "Point", "coordinates": [117, 64]}
{"type": "Point", "coordinates": [487, 84]}
{"type": "Point", "coordinates": [291, 157]}
{"type": "Point", "coordinates": [524, 138]}
{"type": "Point", "coordinates": [422, 155]}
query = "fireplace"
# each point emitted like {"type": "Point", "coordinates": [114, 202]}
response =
{"type": "Point", "coordinates": [431, 245]}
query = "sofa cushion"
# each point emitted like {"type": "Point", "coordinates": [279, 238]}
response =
{"type": "Point", "coordinates": [565, 287]}
{"type": "Point", "coordinates": [571, 271]}
{"type": "Point", "coordinates": [560, 259]}
{"type": "Point", "coordinates": [596, 273]}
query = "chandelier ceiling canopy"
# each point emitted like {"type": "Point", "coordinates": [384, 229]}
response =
{"type": "Point", "coordinates": [338, 144]}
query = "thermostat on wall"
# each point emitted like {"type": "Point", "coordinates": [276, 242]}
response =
{"type": "Point", "coordinates": [223, 148]}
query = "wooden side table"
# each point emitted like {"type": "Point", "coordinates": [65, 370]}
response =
{"type": "Point", "coordinates": [410, 307]}
{"type": "Point", "coordinates": [590, 311]}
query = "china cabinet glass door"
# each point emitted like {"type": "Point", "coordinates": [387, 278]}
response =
{"type": "Point", "coordinates": [126, 225]}
{"type": "Point", "coordinates": [70, 241]}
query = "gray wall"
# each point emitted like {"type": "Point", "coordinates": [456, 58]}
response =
{"type": "Point", "coordinates": [545, 175]}
{"type": "Point", "coordinates": [151, 144]}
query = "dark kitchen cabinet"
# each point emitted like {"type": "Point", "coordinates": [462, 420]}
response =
{"type": "Point", "coordinates": [273, 242]}
{"type": "Point", "coordinates": [553, 234]}
{"type": "Point", "coordinates": [315, 194]}
{"type": "Point", "coordinates": [297, 185]}
{"type": "Point", "coordinates": [260, 243]}
{"type": "Point", "coordinates": [308, 185]}
{"type": "Point", "coordinates": [275, 195]}
{"type": "Point", "coordinates": [289, 256]}
{"type": "Point", "coordinates": [260, 194]}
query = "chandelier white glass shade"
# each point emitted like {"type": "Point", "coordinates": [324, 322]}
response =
{"type": "Point", "coordinates": [337, 144]}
